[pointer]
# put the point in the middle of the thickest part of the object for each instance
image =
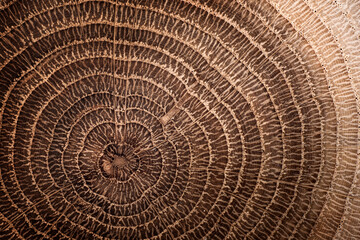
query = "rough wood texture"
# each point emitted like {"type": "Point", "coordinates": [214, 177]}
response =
{"type": "Point", "coordinates": [177, 119]}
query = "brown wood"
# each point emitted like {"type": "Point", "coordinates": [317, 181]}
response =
{"type": "Point", "coordinates": [158, 119]}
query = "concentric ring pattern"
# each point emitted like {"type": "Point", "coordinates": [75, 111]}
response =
{"type": "Point", "coordinates": [178, 119]}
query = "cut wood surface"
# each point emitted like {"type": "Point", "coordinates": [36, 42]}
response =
{"type": "Point", "coordinates": [154, 119]}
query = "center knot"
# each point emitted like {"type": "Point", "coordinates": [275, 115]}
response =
{"type": "Point", "coordinates": [118, 161]}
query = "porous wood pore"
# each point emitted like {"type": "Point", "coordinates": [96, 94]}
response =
{"type": "Point", "coordinates": [224, 119]}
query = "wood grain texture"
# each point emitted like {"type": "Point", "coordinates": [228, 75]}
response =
{"type": "Point", "coordinates": [231, 119]}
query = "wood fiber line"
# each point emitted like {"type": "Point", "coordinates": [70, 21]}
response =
{"type": "Point", "coordinates": [134, 119]}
